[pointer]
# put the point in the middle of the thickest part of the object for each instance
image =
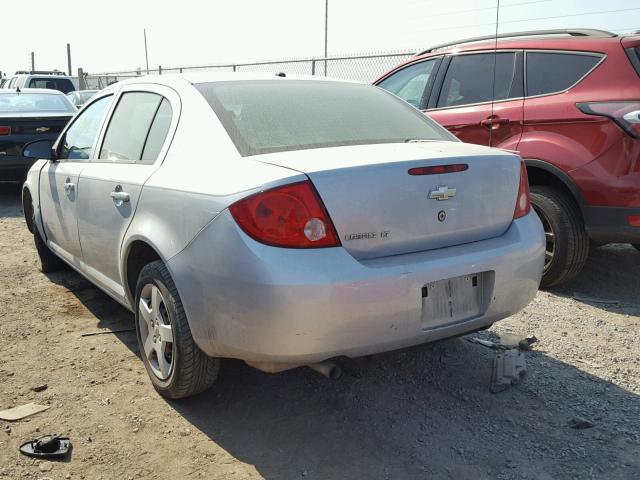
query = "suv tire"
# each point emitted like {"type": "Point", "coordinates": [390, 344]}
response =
{"type": "Point", "coordinates": [186, 370]}
{"type": "Point", "coordinates": [567, 240]}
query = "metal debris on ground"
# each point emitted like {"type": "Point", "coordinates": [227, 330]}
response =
{"type": "Point", "coordinates": [107, 332]}
{"type": "Point", "coordinates": [485, 343]}
{"type": "Point", "coordinates": [580, 423]}
{"type": "Point", "coordinates": [47, 446]}
{"type": "Point", "coordinates": [588, 299]}
{"type": "Point", "coordinates": [22, 411]}
{"type": "Point", "coordinates": [509, 368]}
{"type": "Point", "coordinates": [525, 343]}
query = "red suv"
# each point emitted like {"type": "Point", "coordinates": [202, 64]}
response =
{"type": "Point", "coordinates": [569, 102]}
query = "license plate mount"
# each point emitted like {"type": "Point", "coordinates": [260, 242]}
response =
{"type": "Point", "coordinates": [454, 299]}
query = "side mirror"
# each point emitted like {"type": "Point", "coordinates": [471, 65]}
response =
{"type": "Point", "coordinates": [39, 149]}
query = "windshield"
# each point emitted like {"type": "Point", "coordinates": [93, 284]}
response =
{"type": "Point", "coordinates": [265, 116]}
{"type": "Point", "coordinates": [34, 102]}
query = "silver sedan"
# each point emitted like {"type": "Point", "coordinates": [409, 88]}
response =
{"type": "Point", "coordinates": [282, 221]}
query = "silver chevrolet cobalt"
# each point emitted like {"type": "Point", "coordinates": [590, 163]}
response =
{"type": "Point", "coordinates": [281, 221]}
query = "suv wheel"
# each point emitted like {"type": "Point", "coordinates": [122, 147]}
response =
{"type": "Point", "coordinates": [175, 364]}
{"type": "Point", "coordinates": [567, 241]}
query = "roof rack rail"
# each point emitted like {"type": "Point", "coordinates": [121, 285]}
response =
{"type": "Point", "coordinates": [574, 32]}
{"type": "Point", "coordinates": [40, 72]}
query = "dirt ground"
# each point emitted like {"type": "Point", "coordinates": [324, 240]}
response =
{"type": "Point", "coordinates": [425, 413]}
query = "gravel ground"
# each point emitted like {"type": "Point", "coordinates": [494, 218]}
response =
{"type": "Point", "coordinates": [416, 414]}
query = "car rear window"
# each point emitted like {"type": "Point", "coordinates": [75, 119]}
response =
{"type": "Point", "coordinates": [266, 116]}
{"type": "Point", "coordinates": [34, 102]}
{"type": "Point", "coordinates": [551, 72]}
{"type": "Point", "coordinates": [64, 85]}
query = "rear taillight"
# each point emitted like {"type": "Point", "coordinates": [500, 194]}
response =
{"type": "Point", "coordinates": [625, 114]}
{"type": "Point", "coordinates": [523, 201]}
{"type": "Point", "coordinates": [5, 130]}
{"type": "Point", "coordinates": [634, 220]}
{"type": "Point", "coordinates": [290, 216]}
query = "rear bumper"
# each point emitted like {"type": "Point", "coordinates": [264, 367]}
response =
{"type": "Point", "coordinates": [290, 307]}
{"type": "Point", "coordinates": [610, 224]}
{"type": "Point", "coordinates": [14, 169]}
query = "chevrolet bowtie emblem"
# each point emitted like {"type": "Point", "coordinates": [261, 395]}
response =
{"type": "Point", "coordinates": [442, 193]}
{"type": "Point", "coordinates": [42, 129]}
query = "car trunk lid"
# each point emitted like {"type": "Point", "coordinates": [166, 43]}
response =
{"type": "Point", "coordinates": [379, 209]}
{"type": "Point", "coordinates": [26, 128]}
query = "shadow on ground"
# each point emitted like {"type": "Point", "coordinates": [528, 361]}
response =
{"type": "Point", "coordinates": [610, 280]}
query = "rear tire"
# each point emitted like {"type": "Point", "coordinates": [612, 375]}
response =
{"type": "Point", "coordinates": [567, 241]}
{"type": "Point", "coordinates": [176, 366]}
{"type": "Point", "coordinates": [49, 262]}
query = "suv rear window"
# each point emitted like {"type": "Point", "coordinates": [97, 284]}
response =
{"type": "Point", "coordinates": [550, 72]}
{"type": "Point", "coordinates": [265, 116]}
{"type": "Point", "coordinates": [62, 84]}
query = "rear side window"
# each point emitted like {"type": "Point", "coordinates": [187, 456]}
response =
{"type": "Point", "coordinates": [62, 84]}
{"type": "Point", "coordinates": [410, 82]}
{"type": "Point", "coordinates": [266, 116]}
{"type": "Point", "coordinates": [549, 72]}
{"type": "Point", "coordinates": [470, 79]}
{"type": "Point", "coordinates": [157, 132]}
{"type": "Point", "coordinates": [634, 55]}
{"type": "Point", "coordinates": [129, 125]}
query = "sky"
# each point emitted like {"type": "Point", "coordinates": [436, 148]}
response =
{"type": "Point", "coordinates": [108, 36]}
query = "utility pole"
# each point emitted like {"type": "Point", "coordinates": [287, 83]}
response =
{"type": "Point", "coordinates": [326, 23]}
{"type": "Point", "coordinates": [146, 53]}
{"type": "Point", "coordinates": [33, 62]}
{"type": "Point", "coordinates": [69, 58]}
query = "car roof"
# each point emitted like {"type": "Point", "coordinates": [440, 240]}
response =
{"type": "Point", "coordinates": [27, 91]}
{"type": "Point", "coordinates": [206, 77]}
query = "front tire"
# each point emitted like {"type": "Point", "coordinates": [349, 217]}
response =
{"type": "Point", "coordinates": [175, 364]}
{"type": "Point", "coordinates": [49, 262]}
{"type": "Point", "coordinates": [567, 247]}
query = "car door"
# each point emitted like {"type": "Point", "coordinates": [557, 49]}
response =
{"type": "Point", "coordinates": [59, 187]}
{"type": "Point", "coordinates": [480, 97]}
{"type": "Point", "coordinates": [134, 139]}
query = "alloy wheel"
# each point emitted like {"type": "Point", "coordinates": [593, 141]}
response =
{"type": "Point", "coordinates": [156, 331]}
{"type": "Point", "coordinates": [550, 238]}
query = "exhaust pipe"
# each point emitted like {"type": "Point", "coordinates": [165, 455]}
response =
{"type": "Point", "coordinates": [327, 368]}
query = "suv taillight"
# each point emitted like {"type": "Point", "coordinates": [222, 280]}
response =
{"type": "Point", "coordinates": [523, 201]}
{"type": "Point", "coordinates": [625, 114]}
{"type": "Point", "coordinates": [290, 216]}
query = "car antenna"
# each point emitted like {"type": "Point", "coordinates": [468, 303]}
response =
{"type": "Point", "coordinates": [17, 89]}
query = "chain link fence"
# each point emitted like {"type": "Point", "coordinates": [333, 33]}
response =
{"type": "Point", "coordinates": [363, 68]}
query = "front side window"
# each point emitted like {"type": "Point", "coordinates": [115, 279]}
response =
{"type": "Point", "coordinates": [550, 72]}
{"type": "Point", "coordinates": [470, 79]}
{"type": "Point", "coordinates": [129, 125]}
{"type": "Point", "coordinates": [410, 82]}
{"type": "Point", "coordinates": [266, 116]}
{"type": "Point", "coordinates": [81, 135]}
{"type": "Point", "coordinates": [62, 84]}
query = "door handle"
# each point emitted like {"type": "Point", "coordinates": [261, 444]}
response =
{"type": "Point", "coordinates": [494, 122]}
{"type": "Point", "coordinates": [69, 186]}
{"type": "Point", "coordinates": [119, 196]}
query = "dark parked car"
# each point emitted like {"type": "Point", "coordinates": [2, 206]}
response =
{"type": "Point", "coordinates": [569, 102]}
{"type": "Point", "coordinates": [27, 115]}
